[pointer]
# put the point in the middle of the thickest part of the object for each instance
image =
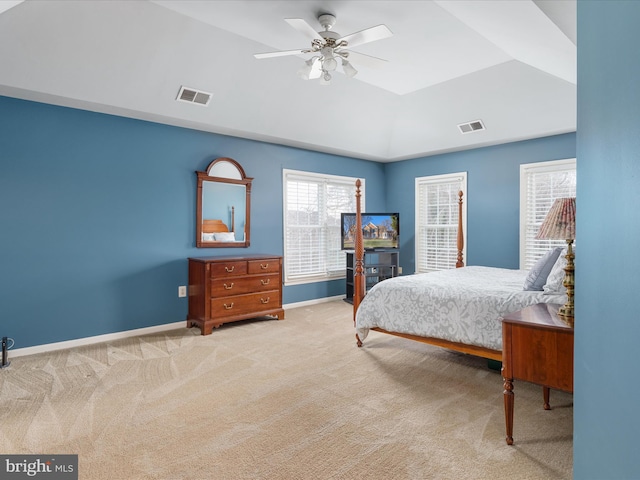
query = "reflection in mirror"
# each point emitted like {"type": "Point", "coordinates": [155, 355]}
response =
{"type": "Point", "coordinates": [223, 205]}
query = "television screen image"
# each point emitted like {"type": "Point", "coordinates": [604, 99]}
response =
{"type": "Point", "coordinates": [380, 231]}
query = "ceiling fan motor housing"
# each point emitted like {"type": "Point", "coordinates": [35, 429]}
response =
{"type": "Point", "coordinates": [330, 37]}
{"type": "Point", "coordinates": [327, 20]}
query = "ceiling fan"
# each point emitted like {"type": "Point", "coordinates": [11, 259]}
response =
{"type": "Point", "coordinates": [328, 46]}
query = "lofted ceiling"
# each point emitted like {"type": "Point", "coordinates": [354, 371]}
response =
{"type": "Point", "coordinates": [510, 64]}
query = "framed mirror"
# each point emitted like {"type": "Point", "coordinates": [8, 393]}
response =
{"type": "Point", "coordinates": [223, 205]}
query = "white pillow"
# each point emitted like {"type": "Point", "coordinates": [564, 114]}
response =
{"type": "Point", "coordinates": [225, 236]}
{"type": "Point", "coordinates": [556, 276]}
{"type": "Point", "coordinates": [207, 237]}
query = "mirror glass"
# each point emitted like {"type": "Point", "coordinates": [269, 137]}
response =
{"type": "Point", "coordinates": [223, 205]}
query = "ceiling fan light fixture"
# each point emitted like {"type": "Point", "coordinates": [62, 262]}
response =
{"type": "Point", "coordinates": [325, 79]}
{"type": "Point", "coordinates": [305, 71]}
{"type": "Point", "coordinates": [329, 63]}
{"type": "Point", "coordinates": [348, 69]}
{"type": "Point", "coordinates": [328, 60]}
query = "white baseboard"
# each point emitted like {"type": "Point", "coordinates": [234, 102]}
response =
{"type": "Point", "coordinates": [79, 342]}
{"type": "Point", "coordinates": [50, 347]}
{"type": "Point", "coordinates": [316, 301]}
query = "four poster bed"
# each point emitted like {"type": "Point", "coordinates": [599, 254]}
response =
{"type": "Point", "coordinates": [460, 309]}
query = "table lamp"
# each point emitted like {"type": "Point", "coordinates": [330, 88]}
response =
{"type": "Point", "coordinates": [560, 223]}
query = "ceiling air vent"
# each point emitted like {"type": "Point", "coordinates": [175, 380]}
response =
{"type": "Point", "coordinates": [470, 127]}
{"type": "Point", "coordinates": [191, 95]}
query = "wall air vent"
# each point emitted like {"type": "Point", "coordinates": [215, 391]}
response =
{"type": "Point", "coordinates": [471, 127]}
{"type": "Point", "coordinates": [191, 95]}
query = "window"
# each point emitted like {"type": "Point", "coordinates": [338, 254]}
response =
{"type": "Point", "coordinates": [312, 207]}
{"type": "Point", "coordinates": [540, 184]}
{"type": "Point", "coordinates": [437, 220]}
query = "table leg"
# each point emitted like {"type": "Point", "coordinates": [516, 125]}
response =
{"type": "Point", "coordinates": [508, 408]}
{"type": "Point", "coordinates": [545, 394]}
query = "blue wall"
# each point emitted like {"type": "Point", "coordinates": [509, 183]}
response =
{"type": "Point", "coordinates": [607, 331]}
{"type": "Point", "coordinates": [493, 195]}
{"type": "Point", "coordinates": [98, 217]}
{"type": "Point", "coordinates": [98, 213]}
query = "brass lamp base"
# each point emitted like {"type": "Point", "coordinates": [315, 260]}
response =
{"type": "Point", "coordinates": [565, 315]}
{"type": "Point", "coordinates": [566, 311]}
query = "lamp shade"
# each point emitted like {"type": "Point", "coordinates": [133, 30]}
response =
{"type": "Point", "coordinates": [348, 69]}
{"type": "Point", "coordinates": [305, 71]}
{"type": "Point", "coordinates": [560, 222]}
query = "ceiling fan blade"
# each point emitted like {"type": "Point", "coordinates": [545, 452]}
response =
{"type": "Point", "coordinates": [367, 35]}
{"type": "Point", "coordinates": [304, 28]}
{"type": "Point", "coordinates": [280, 54]}
{"type": "Point", "coordinates": [367, 60]}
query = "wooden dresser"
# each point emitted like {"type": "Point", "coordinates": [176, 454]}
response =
{"type": "Point", "coordinates": [226, 289]}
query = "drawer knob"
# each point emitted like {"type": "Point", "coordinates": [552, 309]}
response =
{"type": "Point", "coordinates": [228, 287]}
{"type": "Point", "coordinates": [265, 266]}
{"type": "Point", "coordinates": [265, 282]}
{"type": "Point", "coordinates": [264, 301]}
{"type": "Point", "coordinates": [227, 307]}
{"type": "Point", "coordinates": [229, 270]}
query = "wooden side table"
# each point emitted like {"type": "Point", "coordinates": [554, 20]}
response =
{"type": "Point", "coordinates": [537, 346]}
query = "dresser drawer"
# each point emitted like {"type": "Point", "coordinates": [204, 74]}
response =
{"type": "Point", "coordinates": [223, 287]}
{"type": "Point", "coordinates": [242, 304]}
{"type": "Point", "coordinates": [228, 269]}
{"type": "Point", "coordinates": [268, 265]}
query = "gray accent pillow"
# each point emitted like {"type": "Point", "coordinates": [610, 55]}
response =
{"type": "Point", "coordinates": [538, 274]}
{"type": "Point", "coordinates": [555, 279]}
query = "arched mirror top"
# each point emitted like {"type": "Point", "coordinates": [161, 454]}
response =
{"type": "Point", "coordinates": [225, 167]}
{"type": "Point", "coordinates": [223, 205]}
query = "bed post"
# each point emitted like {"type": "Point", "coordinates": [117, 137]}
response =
{"type": "Point", "coordinates": [460, 262]}
{"type": "Point", "coordinates": [358, 274]}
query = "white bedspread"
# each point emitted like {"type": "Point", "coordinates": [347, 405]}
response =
{"type": "Point", "coordinates": [461, 305]}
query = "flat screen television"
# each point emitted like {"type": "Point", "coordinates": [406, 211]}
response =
{"type": "Point", "coordinates": [380, 231]}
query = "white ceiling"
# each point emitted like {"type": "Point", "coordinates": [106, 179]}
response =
{"type": "Point", "coordinates": [511, 64]}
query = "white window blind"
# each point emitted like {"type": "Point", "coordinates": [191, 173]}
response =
{"type": "Point", "coordinates": [540, 184]}
{"type": "Point", "coordinates": [312, 207]}
{"type": "Point", "coordinates": [437, 220]}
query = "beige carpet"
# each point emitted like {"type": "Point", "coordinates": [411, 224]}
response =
{"type": "Point", "coordinates": [268, 399]}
